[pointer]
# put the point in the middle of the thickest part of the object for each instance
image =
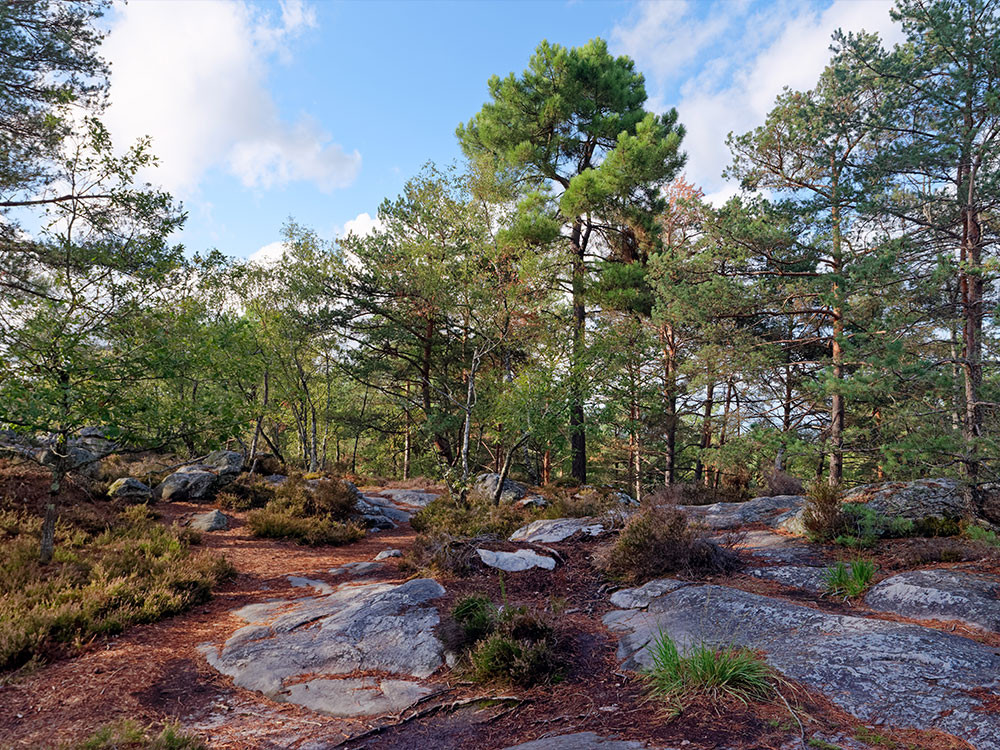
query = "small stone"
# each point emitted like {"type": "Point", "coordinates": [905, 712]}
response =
{"type": "Point", "coordinates": [130, 490]}
{"type": "Point", "coordinates": [213, 520]}
{"type": "Point", "coordinates": [639, 598]}
{"type": "Point", "coordinates": [387, 553]}
{"type": "Point", "coordinates": [515, 562]}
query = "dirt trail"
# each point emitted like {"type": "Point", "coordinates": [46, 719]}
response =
{"type": "Point", "coordinates": [153, 673]}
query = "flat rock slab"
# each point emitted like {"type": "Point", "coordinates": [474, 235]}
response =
{"type": "Point", "coordinates": [549, 530]}
{"type": "Point", "coordinates": [774, 547]}
{"type": "Point", "coordinates": [640, 597]}
{"type": "Point", "coordinates": [940, 595]}
{"type": "Point", "coordinates": [357, 569]}
{"type": "Point", "coordinates": [767, 510]}
{"type": "Point", "coordinates": [383, 629]}
{"type": "Point", "coordinates": [805, 577]}
{"type": "Point", "coordinates": [417, 498]}
{"type": "Point", "coordinates": [882, 672]}
{"type": "Point", "coordinates": [582, 741]}
{"type": "Point", "coordinates": [515, 562]}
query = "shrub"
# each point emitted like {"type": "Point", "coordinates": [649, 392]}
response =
{"type": "Point", "coordinates": [314, 531]}
{"type": "Point", "coordinates": [334, 498]}
{"type": "Point", "coordinates": [657, 541]}
{"type": "Point", "coordinates": [448, 514]}
{"type": "Point", "coordinates": [580, 502]}
{"type": "Point", "coordinates": [247, 492]}
{"type": "Point", "coordinates": [822, 516]}
{"type": "Point", "coordinates": [520, 650]}
{"type": "Point", "coordinates": [476, 614]}
{"type": "Point", "coordinates": [707, 672]}
{"type": "Point", "coordinates": [135, 571]}
{"type": "Point", "coordinates": [850, 580]}
{"type": "Point", "coordinates": [778, 482]}
{"type": "Point", "coordinates": [127, 735]}
{"type": "Point", "coordinates": [982, 534]}
{"type": "Point", "coordinates": [689, 493]}
{"type": "Point", "coordinates": [443, 554]}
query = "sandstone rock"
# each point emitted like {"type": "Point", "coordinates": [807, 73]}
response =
{"type": "Point", "coordinates": [640, 597]}
{"type": "Point", "coordinates": [387, 553]}
{"type": "Point", "coordinates": [486, 487]}
{"type": "Point", "coordinates": [582, 741]}
{"type": "Point", "coordinates": [357, 569]}
{"type": "Point", "coordinates": [773, 547]}
{"type": "Point", "coordinates": [514, 562]}
{"type": "Point", "coordinates": [187, 483]}
{"type": "Point", "coordinates": [767, 510]}
{"type": "Point", "coordinates": [940, 595]}
{"type": "Point", "coordinates": [532, 501]}
{"type": "Point", "coordinates": [894, 673]}
{"type": "Point", "coordinates": [415, 498]}
{"type": "Point", "coordinates": [547, 531]}
{"type": "Point", "coordinates": [378, 628]}
{"type": "Point", "coordinates": [226, 464]}
{"type": "Point", "coordinates": [130, 490]}
{"type": "Point", "coordinates": [77, 459]}
{"type": "Point", "coordinates": [300, 582]}
{"type": "Point", "coordinates": [275, 480]}
{"type": "Point", "coordinates": [213, 520]}
{"type": "Point", "coordinates": [923, 498]}
{"type": "Point", "coordinates": [805, 577]}
{"type": "Point", "coordinates": [373, 505]}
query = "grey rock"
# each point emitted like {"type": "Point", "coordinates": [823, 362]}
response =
{"type": "Point", "coordinates": [766, 510]}
{"type": "Point", "coordinates": [940, 595]}
{"type": "Point", "coordinates": [582, 741]}
{"type": "Point", "coordinates": [373, 505]}
{"type": "Point", "coordinates": [188, 483]}
{"type": "Point", "coordinates": [923, 498]}
{"type": "Point", "coordinates": [515, 562]}
{"type": "Point", "coordinates": [532, 501]}
{"type": "Point", "coordinates": [623, 498]}
{"type": "Point", "coordinates": [275, 480]}
{"type": "Point", "coordinates": [357, 569]}
{"type": "Point", "coordinates": [640, 597]}
{"type": "Point", "coordinates": [387, 553]}
{"type": "Point", "coordinates": [378, 628]}
{"type": "Point", "coordinates": [321, 587]}
{"type": "Point", "coordinates": [486, 487]}
{"type": "Point", "coordinates": [547, 531]}
{"type": "Point", "coordinates": [79, 460]}
{"type": "Point", "coordinates": [880, 671]}
{"type": "Point", "coordinates": [213, 520]}
{"type": "Point", "coordinates": [416, 498]}
{"type": "Point", "coordinates": [805, 577]}
{"type": "Point", "coordinates": [130, 490]}
{"type": "Point", "coordinates": [94, 439]}
{"type": "Point", "coordinates": [227, 465]}
{"type": "Point", "coordinates": [773, 547]}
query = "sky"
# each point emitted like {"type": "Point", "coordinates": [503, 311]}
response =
{"type": "Point", "coordinates": [261, 111]}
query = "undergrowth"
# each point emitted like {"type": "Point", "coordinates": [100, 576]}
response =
{"type": "Point", "coordinates": [128, 735]}
{"type": "Point", "coordinates": [849, 579]}
{"type": "Point", "coordinates": [317, 514]}
{"type": "Point", "coordinates": [707, 672]}
{"type": "Point", "coordinates": [100, 582]}
{"type": "Point", "coordinates": [473, 518]}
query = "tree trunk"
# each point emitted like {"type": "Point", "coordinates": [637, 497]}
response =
{"type": "Point", "coordinates": [706, 429]}
{"type": "Point", "coordinates": [837, 401]}
{"type": "Point", "coordinates": [670, 403]}
{"type": "Point", "coordinates": [505, 469]}
{"type": "Point", "coordinates": [577, 428]}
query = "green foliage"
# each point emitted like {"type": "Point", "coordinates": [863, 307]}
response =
{"type": "Point", "coordinates": [128, 735]}
{"type": "Point", "coordinates": [473, 518]}
{"type": "Point", "coordinates": [311, 530]}
{"type": "Point", "coordinates": [707, 672]}
{"type": "Point", "coordinates": [849, 580]}
{"type": "Point", "coordinates": [476, 614]}
{"type": "Point", "coordinates": [520, 648]}
{"type": "Point", "coordinates": [315, 514]}
{"type": "Point", "coordinates": [822, 514]}
{"type": "Point", "coordinates": [982, 534]}
{"type": "Point", "coordinates": [135, 571]}
{"type": "Point", "coordinates": [658, 541]}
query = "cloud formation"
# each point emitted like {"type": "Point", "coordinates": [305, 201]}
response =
{"type": "Point", "coordinates": [192, 74]}
{"type": "Point", "coordinates": [734, 58]}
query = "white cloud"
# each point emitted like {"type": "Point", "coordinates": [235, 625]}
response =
{"type": "Point", "coordinates": [269, 253]}
{"type": "Point", "coordinates": [362, 225]}
{"type": "Point", "coordinates": [741, 68]}
{"type": "Point", "coordinates": [193, 75]}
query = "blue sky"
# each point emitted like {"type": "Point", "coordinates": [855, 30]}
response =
{"type": "Point", "coordinates": [260, 111]}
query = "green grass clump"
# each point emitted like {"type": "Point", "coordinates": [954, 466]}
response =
{"type": "Point", "coordinates": [707, 672]}
{"type": "Point", "coordinates": [982, 534]}
{"type": "Point", "coordinates": [127, 735]}
{"type": "Point", "coordinates": [849, 580]}
{"type": "Point", "coordinates": [134, 571]}
{"type": "Point", "coordinates": [477, 615]}
{"type": "Point", "coordinates": [313, 531]}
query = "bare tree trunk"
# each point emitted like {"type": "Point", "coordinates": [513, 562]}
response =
{"type": "Point", "coordinates": [706, 430]}
{"type": "Point", "coordinates": [505, 469]}
{"type": "Point", "coordinates": [577, 427]}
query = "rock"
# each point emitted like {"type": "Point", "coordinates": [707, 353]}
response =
{"type": "Point", "coordinates": [582, 741]}
{"type": "Point", "coordinates": [79, 460]}
{"type": "Point", "coordinates": [940, 595]}
{"type": "Point", "coordinates": [486, 487]}
{"type": "Point", "coordinates": [639, 598]}
{"type": "Point", "coordinates": [805, 577]}
{"type": "Point", "coordinates": [549, 530]}
{"type": "Point", "coordinates": [187, 483]}
{"type": "Point", "coordinates": [532, 501]}
{"type": "Point", "coordinates": [773, 547]}
{"type": "Point", "coordinates": [379, 506]}
{"type": "Point", "coordinates": [357, 569]}
{"type": "Point", "coordinates": [622, 498]}
{"type": "Point", "coordinates": [130, 490]}
{"type": "Point", "coordinates": [95, 440]}
{"type": "Point", "coordinates": [387, 553]}
{"type": "Point", "coordinates": [301, 582]}
{"type": "Point", "coordinates": [275, 480]}
{"type": "Point", "coordinates": [515, 562]}
{"type": "Point", "coordinates": [226, 464]}
{"type": "Point", "coordinates": [766, 510]}
{"type": "Point", "coordinates": [923, 498]}
{"type": "Point", "coordinates": [213, 520]}
{"type": "Point", "coordinates": [415, 498]}
{"type": "Point", "coordinates": [302, 650]}
{"type": "Point", "coordinates": [880, 671]}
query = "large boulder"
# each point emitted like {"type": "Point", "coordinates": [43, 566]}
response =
{"type": "Point", "coordinates": [188, 483]}
{"type": "Point", "coordinates": [771, 511]}
{"type": "Point", "coordinates": [227, 465]}
{"type": "Point", "coordinates": [549, 530]}
{"type": "Point", "coordinates": [882, 672]}
{"type": "Point", "coordinates": [486, 488]}
{"type": "Point", "coordinates": [309, 650]}
{"type": "Point", "coordinates": [940, 595]}
{"type": "Point", "coordinates": [79, 460]}
{"type": "Point", "coordinates": [515, 562]}
{"type": "Point", "coordinates": [917, 500]}
{"type": "Point", "coordinates": [94, 439]}
{"type": "Point", "coordinates": [130, 490]}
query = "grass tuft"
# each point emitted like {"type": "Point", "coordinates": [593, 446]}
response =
{"type": "Point", "coordinates": [128, 735]}
{"type": "Point", "coordinates": [850, 580]}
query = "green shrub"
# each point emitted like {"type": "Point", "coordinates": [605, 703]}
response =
{"type": "Point", "coordinates": [314, 531]}
{"type": "Point", "coordinates": [982, 534]}
{"type": "Point", "coordinates": [476, 614]}
{"type": "Point", "coordinates": [822, 516]}
{"type": "Point", "coordinates": [333, 498]}
{"type": "Point", "coordinates": [849, 580]}
{"type": "Point", "coordinates": [443, 554]}
{"type": "Point", "coordinates": [519, 650]}
{"type": "Point", "coordinates": [448, 514]}
{"type": "Point", "coordinates": [579, 502]}
{"type": "Point", "coordinates": [657, 541]}
{"type": "Point", "coordinates": [249, 491]}
{"type": "Point", "coordinates": [127, 735]}
{"type": "Point", "coordinates": [707, 672]}
{"type": "Point", "coordinates": [135, 571]}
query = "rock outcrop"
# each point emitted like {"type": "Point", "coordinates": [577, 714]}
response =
{"type": "Point", "coordinates": [772, 511]}
{"type": "Point", "coordinates": [940, 595]}
{"type": "Point", "coordinates": [201, 481]}
{"type": "Point", "coordinates": [130, 490]}
{"type": "Point", "coordinates": [486, 487]}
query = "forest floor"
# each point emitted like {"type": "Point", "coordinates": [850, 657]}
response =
{"type": "Point", "coordinates": [155, 673]}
